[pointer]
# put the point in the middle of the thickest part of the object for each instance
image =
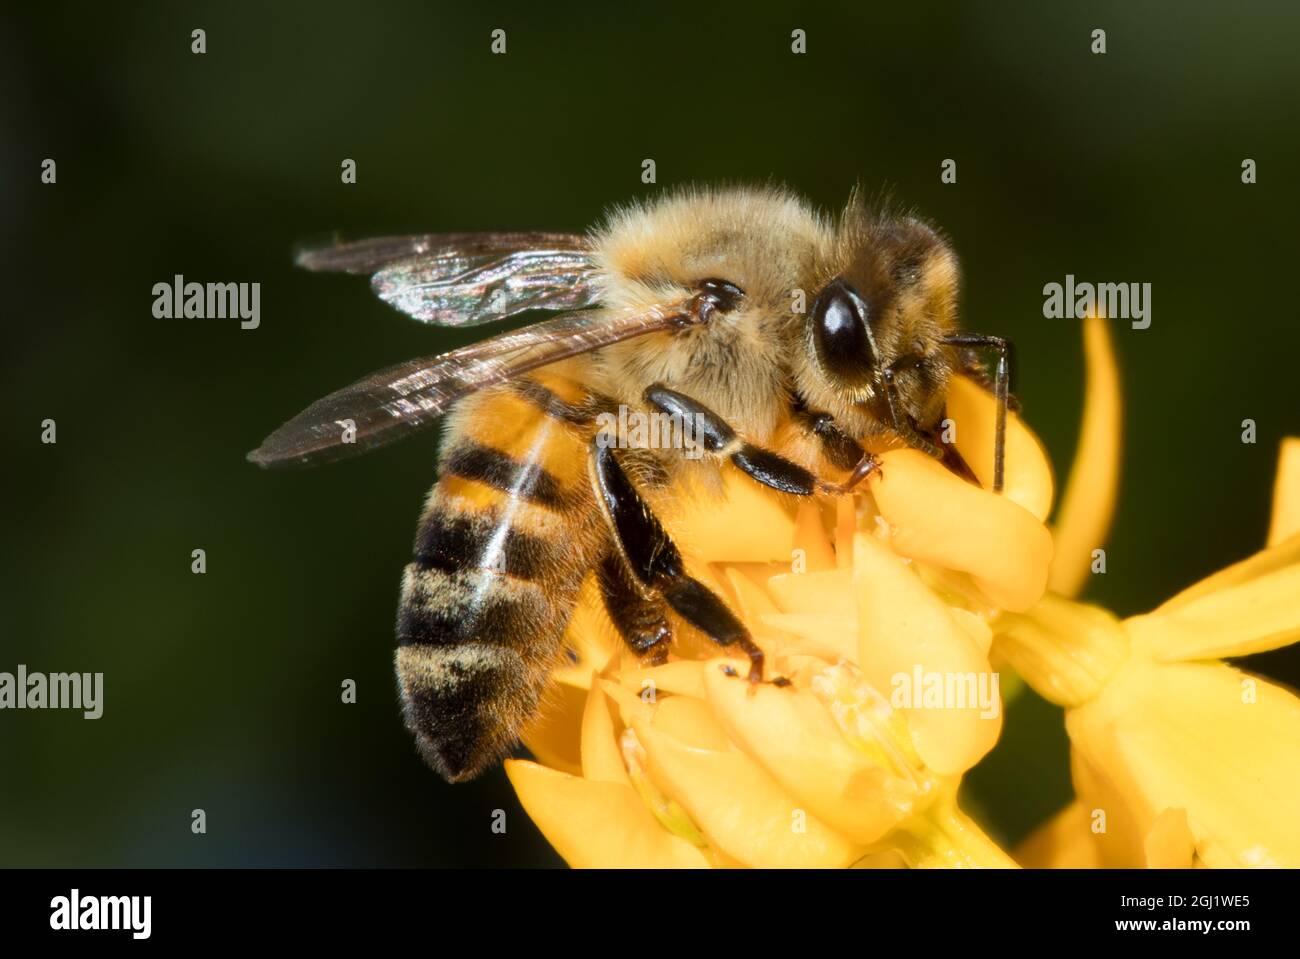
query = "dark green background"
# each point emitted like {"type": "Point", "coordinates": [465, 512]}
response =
{"type": "Point", "coordinates": [222, 691]}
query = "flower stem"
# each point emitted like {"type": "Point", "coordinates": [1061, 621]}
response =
{"type": "Point", "coordinates": [945, 838]}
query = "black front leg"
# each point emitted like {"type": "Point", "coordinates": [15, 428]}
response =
{"type": "Point", "coordinates": [769, 468]}
{"type": "Point", "coordinates": [654, 563]}
{"type": "Point", "coordinates": [899, 419]}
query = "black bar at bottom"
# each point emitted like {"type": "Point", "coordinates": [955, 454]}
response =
{"type": "Point", "coordinates": [333, 907]}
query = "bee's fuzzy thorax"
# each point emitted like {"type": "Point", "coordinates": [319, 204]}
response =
{"type": "Point", "coordinates": [761, 237]}
{"type": "Point", "coordinates": [764, 240]}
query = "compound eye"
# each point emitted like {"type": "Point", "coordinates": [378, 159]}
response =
{"type": "Point", "coordinates": [840, 335]}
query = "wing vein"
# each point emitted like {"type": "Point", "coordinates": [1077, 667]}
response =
{"type": "Point", "coordinates": [392, 403]}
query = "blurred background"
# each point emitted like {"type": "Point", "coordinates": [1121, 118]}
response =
{"type": "Point", "coordinates": [223, 690]}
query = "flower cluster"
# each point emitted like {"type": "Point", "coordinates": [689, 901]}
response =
{"type": "Point", "coordinates": [1178, 758]}
{"type": "Point", "coordinates": [882, 616]}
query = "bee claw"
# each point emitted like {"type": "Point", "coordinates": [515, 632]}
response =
{"type": "Point", "coordinates": [755, 676]}
{"type": "Point", "coordinates": [868, 465]}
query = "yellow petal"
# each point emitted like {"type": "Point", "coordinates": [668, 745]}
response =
{"type": "Point", "coordinates": [1202, 737]}
{"type": "Point", "coordinates": [1066, 651]}
{"type": "Point", "coordinates": [846, 525]}
{"type": "Point", "coordinates": [590, 636]}
{"type": "Point", "coordinates": [752, 600]}
{"type": "Point", "coordinates": [631, 703]}
{"type": "Point", "coordinates": [749, 525]}
{"type": "Point", "coordinates": [1286, 493]}
{"type": "Point", "coordinates": [1027, 473]}
{"type": "Point", "coordinates": [828, 637]}
{"type": "Point", "coordinates": [939, 518]}
{"type": "Point", "coordinates": [1261, 613]}
{"type": "Point", "coordinates": [1284, 554]}
{"type": "Point", "coordinates": [665, 809]}
{"type": "Point", "coordinates": [740, 808]}
{"type": "Point", "coordinates": [1065, 841]}
{"type": "Point", "coordinates": [1090, 494]}
{"type": "Point", "coordinates": [904, 633]}
{"type": "Point", "coordinates": [711, 575]}
{"type": "Point", "coordinates": [825, 593]}
{"type": "Point", "coordinates": [793, 736]}
{"type": "Point", "coordinates": [1169, 843]}
{"type": "Point", "coordinates": [554, 736]}
{"type": "Point", "coordinates": [683, 677]}
{"type": "Point", "coordinates": [601, 759]}
{"type": "Point", "coordinates": [597, 825]}
{"type": "Point", "coordinates": [1104, 793]}
{"type": "Point", "coordinates": [810, 538]}
{"type": "Point", "coordinates": [691, 722]}
{"type": "Point", "coordinates": [976, 627]}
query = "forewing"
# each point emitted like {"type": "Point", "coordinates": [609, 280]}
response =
{"type": "Point", "coordinates": [389, 405]}
{"type": "Point", "coordinates": [466, 291]}
{"type": "Point", "coordinates": [373, 254]}
{"type": "Point", "coordinates": [464, 279]}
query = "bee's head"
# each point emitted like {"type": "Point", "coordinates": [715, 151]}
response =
{"type": "Point", "coordinates": [877, 319]}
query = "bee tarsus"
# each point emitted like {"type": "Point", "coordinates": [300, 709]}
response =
{"type": "Point", "coordinates": [868, 465]}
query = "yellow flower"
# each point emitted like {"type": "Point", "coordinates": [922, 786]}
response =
{"type": "Point", "coordinates": [1090, 494]}
{"type": "Point", "coordinates": [1286, 494]}
{"type": "Point", "coordinates": [1178, 759]}
{"type": "Point", "coordinates": [874, 610]}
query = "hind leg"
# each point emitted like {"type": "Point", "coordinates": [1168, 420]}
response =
{"type": "Point", "coordinates": [653, 564]}
{"type": "Point", "coordinates": [640, 618]}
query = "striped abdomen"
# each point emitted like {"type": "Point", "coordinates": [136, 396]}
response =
{"type": "Point", "coordinates": [507, 535]}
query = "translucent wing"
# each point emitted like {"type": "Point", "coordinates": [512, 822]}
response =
{"type": "Point", "coordinates": [486, 289]}
{"type": "Point", "coordinates": [464, 279]}
{"type": "Point", "coordinates": [392, 403]}
{"type": "Point", "coordinates": [367, 256]}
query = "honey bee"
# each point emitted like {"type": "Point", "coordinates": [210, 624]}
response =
{"type": "Point", "coordinates": [687, 306]}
